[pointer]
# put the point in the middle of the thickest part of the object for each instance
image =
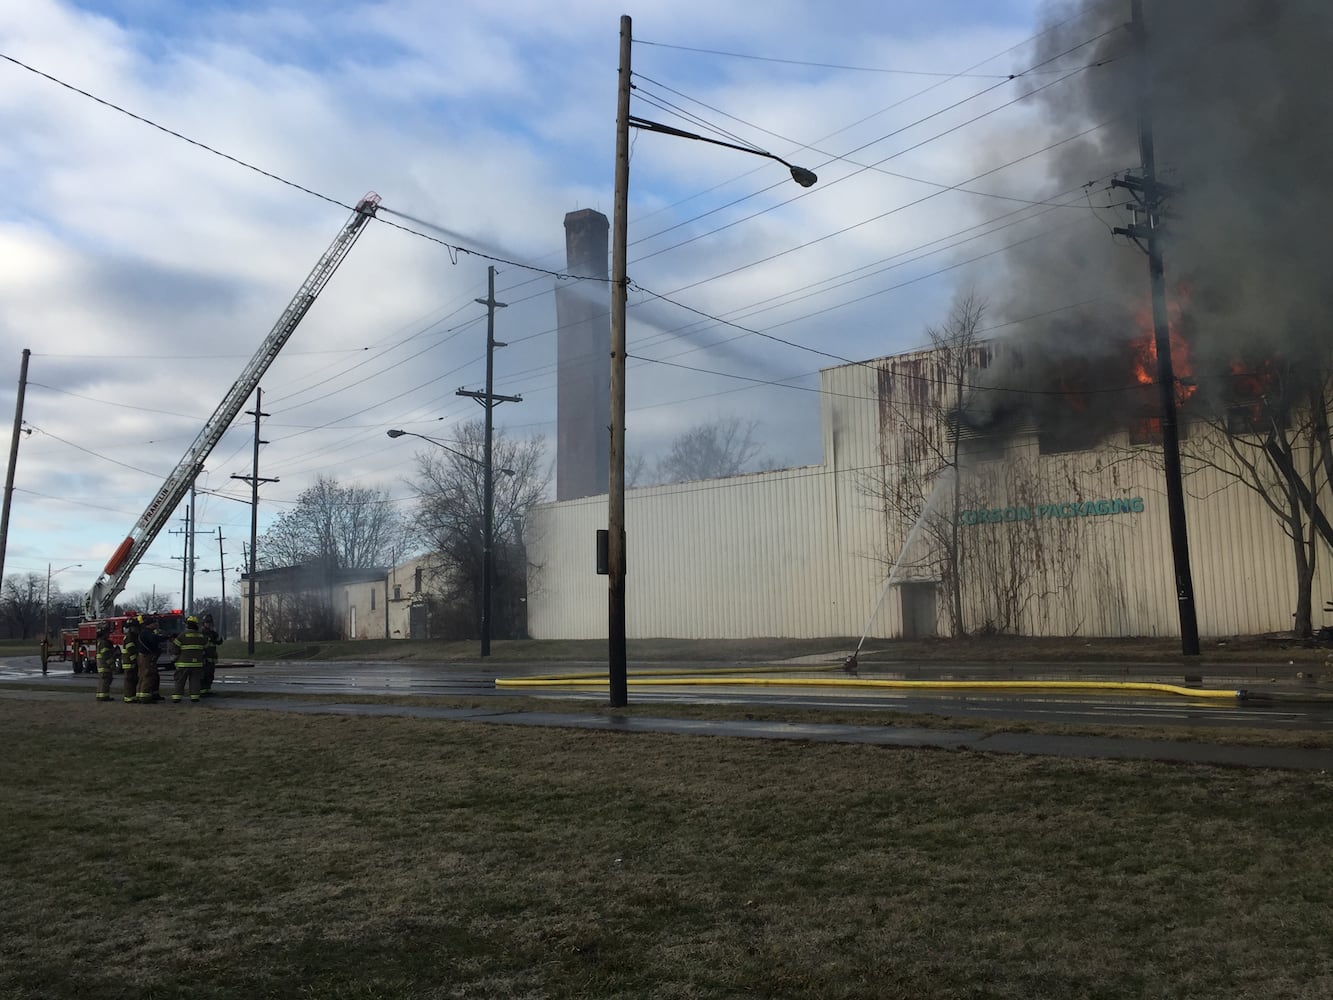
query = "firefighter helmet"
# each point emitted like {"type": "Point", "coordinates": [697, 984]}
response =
{"type": "Point", "coordinates": [192, 622]}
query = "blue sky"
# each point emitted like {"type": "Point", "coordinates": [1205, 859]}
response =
{"type": "Point", "coordinates": [143, 272]}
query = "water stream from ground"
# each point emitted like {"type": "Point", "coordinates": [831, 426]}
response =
{"type": "Point", "coordinates": [942, 488]}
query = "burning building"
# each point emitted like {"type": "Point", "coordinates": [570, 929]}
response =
{"type": "Point", "coordinates": [1043, 516]}
{"type": "Point", "coordinates": [1018, 485]}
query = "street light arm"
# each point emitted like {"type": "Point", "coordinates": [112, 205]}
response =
{"type": "Point", "coordinates": [396, 433]}
{"type": "Point", "coordinates": [802, 176]}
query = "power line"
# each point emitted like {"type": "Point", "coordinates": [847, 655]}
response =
{"type": "Point", "coordinates": [787, 297]}
{"type": "Point", "coordinates": [821, 65]}
{"type": "Point", "coordinates": [898, 103]}
{"type": "Point", "coordinates": [454, 249]}
{"type": "Point", "coordinates": [835, 357]}
{"type": "Point", "coordinates": [876, 218]}
{"type": "Point", "coordinates": [829, 183]}
{"type": "Point", "coordinates": [269, 174]}
{"type": "Point", "coordinates": [831, 157]}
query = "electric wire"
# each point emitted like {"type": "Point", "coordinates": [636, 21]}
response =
{"type": "Point", "coordinates": [884, 110]}
{"type": "Point", "coordinates": [820, 65]}
{"type": "Point", "coordinates": [831, 157]}
{"type": "Point", "coordinates": [766, 304]}
{"type": "Point", "coordinates": [847, 229]}
{"type": "Point", "coordinates": [827, 184]}
{"type": "Point", "coordinates": [244, 163]}
{"type": "Point", "coordinates": [453, 248]}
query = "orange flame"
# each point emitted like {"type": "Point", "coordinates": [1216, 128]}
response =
{"type": "Point", "coordinates": [1143, 352]}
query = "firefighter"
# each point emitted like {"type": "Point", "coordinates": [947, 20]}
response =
{"type": "Point", "coordinates": [149, 645]}
{"type": "Point", "coordinates": [129, 659]}
{"type": "Point", "coordinates": [46, 652]}
{"type": "Point", "coordinates": [210, 656]}
{"type": "Point", "coordinates": [191, 647]}
{"type": "Point", "coordinates": [106, 663]}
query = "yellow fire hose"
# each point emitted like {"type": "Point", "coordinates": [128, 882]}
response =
{"type": "Point", "coordinates": [720, 679]}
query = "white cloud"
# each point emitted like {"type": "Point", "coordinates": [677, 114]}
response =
{"type": "Point", "coordinates": [125, 252]}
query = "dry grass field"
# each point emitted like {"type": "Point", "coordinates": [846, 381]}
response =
{"type": "Point", "coordinates": [179, 852]}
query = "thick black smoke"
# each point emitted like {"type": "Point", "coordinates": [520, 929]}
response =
{"type": "Point", "coordinates": [1242, 114]}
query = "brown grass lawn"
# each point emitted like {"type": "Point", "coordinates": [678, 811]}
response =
{"type": "Point", "coordinates": [179, 852]}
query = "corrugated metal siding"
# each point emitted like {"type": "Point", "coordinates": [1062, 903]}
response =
{"type": "Point", "coordinates": [803, 552]}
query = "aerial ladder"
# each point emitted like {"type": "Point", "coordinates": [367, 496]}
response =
{"type": "Point", "coordinates": [99, 601]}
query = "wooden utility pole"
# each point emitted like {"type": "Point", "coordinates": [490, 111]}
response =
{"type": "Point", "coordinates": [488, 399]}
{"type": "Point", "coordinates": [13, 459]}
{"type": "Point", "coordinates": [185, 558]}
{"type": "Point", "coordinates": [1146, 233]}
{"type": "Point", "coordinates": [618, 682]}
{"type": "Point", "coordinates": [222, 574]}
{"type": "Point", "coordinates": [254, 480]}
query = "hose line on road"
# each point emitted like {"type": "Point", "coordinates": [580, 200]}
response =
{"type": "Point", "coordinates": [585, 680]}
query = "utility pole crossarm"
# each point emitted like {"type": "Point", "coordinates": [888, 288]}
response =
{"type": "Point", "coordinates": [483, 397]}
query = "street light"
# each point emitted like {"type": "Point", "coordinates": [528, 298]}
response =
{"type": "Point", "coordinates": [802, 176]}
{"type": "Point", "coordinates": [453, 451]}
{"type": "Point", "coordinates": [615, 535]}
{"type": "Point", "coordinates": [488, 528]}
{"type": "Point", "coordinates": [46, 614]}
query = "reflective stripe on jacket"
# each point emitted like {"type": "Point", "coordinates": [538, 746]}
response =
{"type": "Point", "coordinates": [190, 647]}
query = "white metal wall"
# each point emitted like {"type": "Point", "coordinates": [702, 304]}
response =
{"type": "Point", "coordinates": [803, 552]}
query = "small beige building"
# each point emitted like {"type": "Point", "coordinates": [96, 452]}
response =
{"type": "Point", "coordinates": [370, 603]}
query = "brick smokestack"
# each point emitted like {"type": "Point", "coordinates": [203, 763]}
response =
{"type": "Point", "coordinates": [583, 357]}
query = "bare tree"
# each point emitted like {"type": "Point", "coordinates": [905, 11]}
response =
{"type": "Point", "coordinates": [332, 528]}
{"type": "Point", "coordinates": [23, 603]}
{"type": "Point", "coordinates": [1270, 432]}
{"type": "Point", "coordinates": [230, 614]}
{"type": "Point", "coordinates": [450, 490]}
{"type": "Point", "coordinates": [148, 602]}
{"type": "Point", "coordinates": [339, 527]}
{"type": "Point", "coordinates": [923, 408]}
{"type": "Point", "coordinates": [65, 609]}
{"type": "Point", "coordinates": [298, 615]}
{"type": "Point", "coordinates": [636, 471]}
{"type": "Point", "coordinates": [725, 446]}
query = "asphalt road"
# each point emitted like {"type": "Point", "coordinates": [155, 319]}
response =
{"type": "Point", "coordinates": [1287, 711]}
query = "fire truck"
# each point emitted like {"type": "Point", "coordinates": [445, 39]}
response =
{"type": "Point", "coordinates": [99, 602]}
{"type": "Point", "coordinates": [79, 644]}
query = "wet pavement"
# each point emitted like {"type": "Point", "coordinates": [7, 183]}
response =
{"type": "Point", "coordinates": [1086, 747]}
